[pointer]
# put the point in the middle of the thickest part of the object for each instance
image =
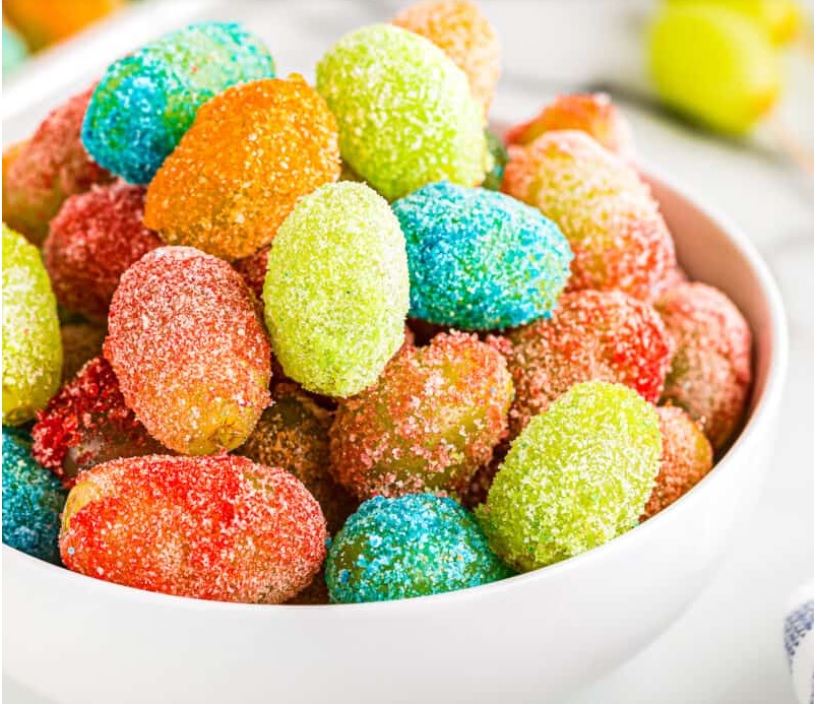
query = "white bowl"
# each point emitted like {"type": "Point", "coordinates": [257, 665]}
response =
{"type": "Point", "coordinates": [539, 635]}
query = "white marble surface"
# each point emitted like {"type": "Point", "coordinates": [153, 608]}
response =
{"type": "Point", "coordinates": [727, 648]}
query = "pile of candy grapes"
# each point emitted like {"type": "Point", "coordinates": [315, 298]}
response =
{"type": "Point", "coordinates": [265, 341]}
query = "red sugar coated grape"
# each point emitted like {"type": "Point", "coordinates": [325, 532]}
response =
{"type": "Point", "coordinates": [221, 528]}
{"type": "Point", "coordinates": [87, 423]}
{"type": "Point", "coordinates": [592, 336]}
{"type": "Point", "coordinates": [686, 457]}
{"type": "Point", "coordinates": [592, 113]}
{"type": "Point", "coordinates": [81, 342]}
{"type": "Point", "coordinates": [93, 240]}
{"type": "Point", "coordinates": [292, 434]}
{"type": "Point", "coordinates": [191, 354]}
{"type": "Point", "coordinates": [612, 222]}
{"type": "Point", "coordinates": [48, 168]}
{"type": "Point", "coordinates": [711, 371]}
{"type": "Point", "coordinates": [427, 424]}
{"type": "Point", "coordinates": [253, 270]}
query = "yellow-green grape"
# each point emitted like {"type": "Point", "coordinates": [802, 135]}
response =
{"type": "Point", "coordinates": [337, 289]}
{"type": "Point", "coordinates": [781, 19]}
{"type": "Point", "coordinates": [714, 65]}
{"type": "Point", "coordinates": [405, 111]}
{"type": "Point", "coordinates": [577, 476]}
{"type": "Point", "coordinates": [32, 348]}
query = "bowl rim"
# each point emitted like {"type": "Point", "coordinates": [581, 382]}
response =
{"type": "Point", "coordinates": [763, 408]}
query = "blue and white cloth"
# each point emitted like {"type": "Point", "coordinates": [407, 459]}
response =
{"type": "Point", "coordinates": [798, 635]}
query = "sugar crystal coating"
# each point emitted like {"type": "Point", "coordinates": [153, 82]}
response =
{"type": "Point", "coordinates": [592, 335]}
{"type": "Point", "coordinates": [219, 528]}
{"type": "Point", "coordinates": [336, 292]}
{"type": "Point", "coordinates": [47, 168]}
{"type": "Point", "coordinates": [32, 348]}
{"type": "Point", "coordinates": [251, 153]}
{"type": "Point", "coordinates": [427, 424]}
{"type": "Point", "coordinates": [147, 100]}
{"type": "Point", "coordinates": [592, 113]}
{"type": "Point", "coordinates": [686, 457]}
{"type": "Point", "coordinates": [32, 500]}
{"type": "Point", "coordinates": [711, 371]}
{"type": "Point", "coordinates": [292, 434]}
{"type": "Point", "coordinates": [577, 476]}
{"type": "Point", "coordinates": [461, 30]}
{"type": "Point", "coordinates": [189, 351]}
{"type": "Point", "coordinates": [611, 220]}
{"type": "Point", "coordinates": [479, 260]}
{"type": "Point", "coordinates": [406, 115]}
{"type": "Point", "coordinates": [414, 545]}
{"type": "Point", "coordinates": [93, 240]}
{"type": "Point", "coordinates": [87, 423]}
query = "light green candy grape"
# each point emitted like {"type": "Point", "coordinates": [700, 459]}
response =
{"type": "Point", "coordinates": [405, 111]}
{"type": "Point", "coordinates": [336, 292]}
{"type": "Point", "coordinates": [32, 347]}
{"type": "Point", "coordinates": [577, 476]}
{"type": "Point", "coordinates": [714, 65]}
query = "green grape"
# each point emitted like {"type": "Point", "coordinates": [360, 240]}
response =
{"type": "Point", "coordinates": [782, 19]}
{"type": "Point", "coordinates": [32, 347]}
{"type": "Point", "coordinates": [714, 65]}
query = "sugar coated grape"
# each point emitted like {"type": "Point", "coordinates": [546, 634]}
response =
{"type": "Point", "coordinates": [32, 500]}
{"type": "Point", "coordinates": [93, 240]}
{"type": "Point", "coordinates": [32, 348]}
{"type": "Point", "coordinates": [406, 115]}
{"type": "Point", "coordinates": [336, 293]}
{"type": "Point", "coordinates": [189, 351]}
{"type": "Point", "coordinates": [686, 457]}
{"type": "Point", "coordinates": [460, 29]}
{"type": "Point", "coordinates": [577, 476]}
{"type": "Point", "coordinates": [479, 260]}
{"type": "Point", "coordinates": [611, 220]}
{"type": "Point", "coordinates": [592, 113]}
{"type": "Point", "coordinates": [415, 545]}
{"type": "Point", "coordinates": [711, 371]}
{"type": "Point", "coordinates": [251, 153]}
{"type": "Point", "coordinates": [713, 65]}
{"type": "Point", "coordinates": [427, 424]}
{"type": "Point", "coordinates": [219, 528]}
{"type": "Point", "coordinates": [592, 335]}
{"type": "Point", "coordinates": [88, 423]}
{"type": "Point", "coordinates": [48, 168]}
{"type": "Point", "coordinates": [293, 434]}
{"type": "Point", "coordinates": [147, 100]}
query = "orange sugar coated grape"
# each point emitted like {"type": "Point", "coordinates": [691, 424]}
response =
{"type": "Point", "coordinates": [220, 528]}
{"type": "Point", "coordinates": [189, 350]}
{"type": "Point", "coordinates": [605, 210]}
{"type": "Point", "coordinates": [592, 113]}
{"type": "Point", "coordinates": [460, 29]}
{"type": "Point", "coordinates": [711, 371]}
{"type": "Point", "coordinates": [430, 421]}
{"type": "Point", "coordinates": [251, 153]}
{"type": "Point", "coordinates": [686, 457]}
